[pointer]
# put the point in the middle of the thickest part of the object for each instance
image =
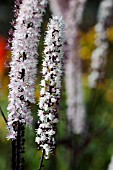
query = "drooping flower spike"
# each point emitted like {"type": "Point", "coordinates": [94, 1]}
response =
{"type": "Point", "coordinates": [105, 16]}
{"type": "Point", "coordinates": [24, 61]}
{"type": "Point", "coordinates": [50, 85]}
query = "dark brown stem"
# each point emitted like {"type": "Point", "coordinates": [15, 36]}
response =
{"type": "Point", "coordinates": [41, 160]}
{"type": "Point", "coordinates": [14, 154]}
{"type": "Point", "coordinates": [18, 147]}
{"type": "Point", "coordinates": [3, 115]}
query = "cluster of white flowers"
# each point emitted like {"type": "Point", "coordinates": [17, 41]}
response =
{"type": "Point", "coordinates": [24, 61]}
{"type": "Point", "coordinates": [50, 85]}
{"type": "Point", "coordinates": [99, 54]}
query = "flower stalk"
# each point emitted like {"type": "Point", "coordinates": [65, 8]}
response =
{"type": "Point", "coordinates": [41, 160]}
{"type": "Point", "coordinates": [18, 148]}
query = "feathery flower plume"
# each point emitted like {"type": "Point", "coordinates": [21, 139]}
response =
{"type": "Point", "coordinates": [24, 62]}
{"type": "Point", "coordinates": [99, 55]}
{"type": "Point", "coordinates": [110, 167]}
{"type": "Point", "coordinates": [73, 74]}
{"type": "Point", "coordinates": [50, 86]}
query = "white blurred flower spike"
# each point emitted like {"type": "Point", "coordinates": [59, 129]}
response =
{"type": "Point", "coordinates": [72, 11]}
{"type": "Point", "coordinates": [110, 167]}
{"type": "Point", "coordinates": [73, 68]}
{"type": "Point", "coordinates": [98, 58]}
{"type": "Point", "coordinates": [50, 85]}
{"type": "Point", "coordinates": [24, 61]}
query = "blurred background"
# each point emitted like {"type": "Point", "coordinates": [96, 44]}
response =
{"type": "Point", "coordinates": [89, 151]}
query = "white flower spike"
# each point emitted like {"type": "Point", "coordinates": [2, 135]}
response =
{"type": "Point", "coordinates": [24, 61]}
{"type": "Point", "coordinates": [50, 85]}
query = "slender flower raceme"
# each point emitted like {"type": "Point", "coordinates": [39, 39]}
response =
{"type": "Point", "coordinates": [24, 61]}
{"type": "Point", "coordinates": [73, 73]}
{"type": "Point", "coordinates": [100, 53]}
{"type": "Point", "coordinates": [50, 86]}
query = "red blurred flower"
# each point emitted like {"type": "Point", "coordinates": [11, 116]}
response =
{"type": "Point", "coordinates": [2, 54]}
